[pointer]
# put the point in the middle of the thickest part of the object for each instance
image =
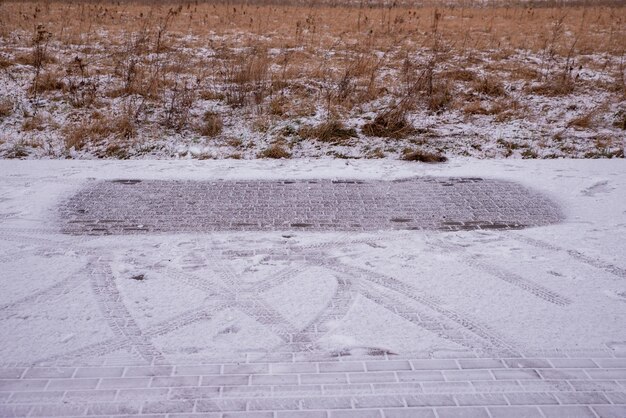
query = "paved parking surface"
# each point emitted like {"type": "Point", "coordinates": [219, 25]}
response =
{"type": "Point", "coordinates": [135, 206]}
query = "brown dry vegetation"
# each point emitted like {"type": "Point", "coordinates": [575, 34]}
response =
{"type": "Point", "coordinates": [154, 68]}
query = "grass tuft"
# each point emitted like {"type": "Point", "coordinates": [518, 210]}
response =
{"type": "Point", "coordinates": [423, 156]}
{"type": "Point", "coordinates": [275, 151]}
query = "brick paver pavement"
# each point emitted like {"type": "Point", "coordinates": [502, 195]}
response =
{"type": "Point", "coordinates": [134, 206]}
{"type": "Point", "coordinates": [489, 377]}
{"type": "Point", "coordinates": [369, 386]}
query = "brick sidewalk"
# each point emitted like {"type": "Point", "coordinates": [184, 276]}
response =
{"type": "Point", "coordinates": [340, 387]}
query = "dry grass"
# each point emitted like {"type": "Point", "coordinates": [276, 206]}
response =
{"type": "Point", "coordinates": [263, 64]}
{"type": "Point", "coordinates": [489, 86]}
{"type": "Point", "coordinates": [98, 129]}
{"type": "Point", "coordinates": [6, 107]}
{"type": "Point", "coordinates": [423, 156]}
{"type": "Point", "coordinates": [588, 119]}
{"type": "Point", "coordinates": [331, 131]}
{"type": "Point", "coordinates": [37, 122]}
{"type": "Point", "coordinates": [275, 151]}
{"type": "Point", "coordinates": [390, 124]}
{"type": "Point", "coordinates": [211, 124]}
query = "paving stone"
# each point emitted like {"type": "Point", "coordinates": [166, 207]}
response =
{"type": "Point", "coordinates": [372, 377]}
{"type": "Point", "coordinates": [152, 407]}
{"type": "Point", "coordinates": [566, 374]}
{"type": "Point", "coordinates": [372, 413]}
{"type": "Point", "coordinates": [89, 395]}
{"type": "Point", "coordinates": [246, 369]}
{"type": "Point", "coordinates": [421, 376]}
{"type": "Point", "coordinates": [126, 382]}
{"type": "Point", "coordinates": [386, 401]}
{"type": "Point", "coordinates": [218, 380]}
{"type": "Point", "coordinates": [69, 384]}
{"type": "Point", "coordinates": [248, 415]}
{"type": "Point", "coordinates": [486, 386]}
{"type": "Point", "coordinates": [430, 400]}
{"type": "Point", "coordinates": [397, 388]}
{"type": "Point", "coordinates": [546, 385]}
{"type": "Point", "coordinates": [148, 371]}
{"type": "Point", "coordinates": [273, 404]}
{"type": "Point", "coordinates": [567, 412]}
{"type": "Point", "coordinates": [194, 392]}
{"type": "Point", "coordinates": [595, 385]}
{"type": "Point", "coordinates": [302, 414]}
{"type": "Point", "coordinates": [586, 398]}
{"type": "Point", "coordinates": [114, 408]}
{"type": "Point", "coordinates": [49, 373]}
{"type": "Point", "coordinates": [531, 398]}
{"type": "Point", "coordinates": [462, 412]}
{"type": "Point", "coordinates": [480, 399]}
{"type": "Point", "coordinates": [300, 390]}
{"type": "Point", "coordinates": [514, 412]}
{"type": "Point", "coordinates": [13, 385]}
{"type": "Point", "coordinates": [434, 364]}
{"type": "Point", "coordinates": [465, 375]}
{"type": "Point", "coordinates": [211, 405]}
{"type": "Point", "coordinates": [328, 402]}
{"type": "Point", "coordinates": [277, 379]}
{"type": "Point", "coordinates": [409, 413]}
{"type": "Point", "coordinates": [283, 368]}
{"type": "Point", "coordinates": [142, 394]}
{"type": "Point", "coordinates": [573, 363]}
{"type": "Point", "coordinates": [57, 410]}
{"type": "Point", "coordinates": [516, 374]}
{"type": "Point", "coordinates": [202, 369]}
{"type": "Point", "coordinates": [323, 378]}
{"type": "Point", "coordinates": [373, 366]}
{"type": "Point", "coordinates": [522, 363]}
{"type": "Point", "coordinates": [481, 363]}
{"type": "Point", "coordinates": [12, 372]}
{"type": "Point", "coordinates": [246, 391]}
{"type": "Point", "coordinates": [36, 397]}
{"type": "Point", "coordinates": [606, 374]}
{"type": "Point", "coordinates": [175, 381]}
{"type": "Point", "coordinates": [447, 387]}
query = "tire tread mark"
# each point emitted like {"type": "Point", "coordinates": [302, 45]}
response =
{"type": "Point", "coordinates": [55, 290]}
{"type": "Point", "coordinates": [116, 313]}
{"type": "Point", "coordinates": [526, 285]}
{"type": "Point", "coordinates": [422, 320]}
{"type": "Point", "coordinates": [585, 259]}
{"type": "Point", "coordinates": [391, 283]}
{"type": "Point", "coordinates": [119, 342]}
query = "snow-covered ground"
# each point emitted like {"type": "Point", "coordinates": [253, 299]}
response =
{"type": "Point", "coordinates": [548, 289]}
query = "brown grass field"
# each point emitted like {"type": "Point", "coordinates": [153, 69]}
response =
{"type": "Point", "coordinates": [206, 80]}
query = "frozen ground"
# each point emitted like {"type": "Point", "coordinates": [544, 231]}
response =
{"type": "Point", "coordinates": [380, 322]}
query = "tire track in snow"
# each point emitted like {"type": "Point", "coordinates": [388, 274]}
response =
{"type": "Point", "coordinates": [489, 337]}
{"type": "Point", "coordinates": [577, 255]}
{"type": "Point", "coordinates": [509, 277]}
{"type": "Point", "coordinates": [116, 314]}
